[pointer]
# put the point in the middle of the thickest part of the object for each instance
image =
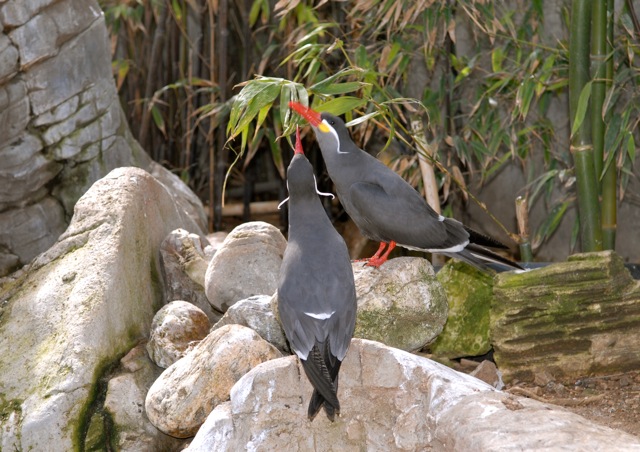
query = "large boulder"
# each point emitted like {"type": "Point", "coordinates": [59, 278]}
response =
{"type": "Point", "coordinates": [569, 319]}
{"type": "Point", "coordinates": [393, 400]}
{"type": "Point", "coordinates": [80, 306]}
{"type": "Point", "coordinates": [183, 396]}
{"type": "Point", "coordinates": [61, 122]}
{"type": "Point", "coordinates": [247, 264]}
{"type": "Point", "coordinates": [400, 304]}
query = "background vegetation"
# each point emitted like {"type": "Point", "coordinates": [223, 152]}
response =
{"type": "Point", "coordinates": [466, 86]}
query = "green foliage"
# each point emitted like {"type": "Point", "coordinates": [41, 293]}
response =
{"type": "Point", "coordinates": [382, 63]}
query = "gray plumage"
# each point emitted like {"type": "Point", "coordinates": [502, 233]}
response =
{"type": "Point", "coordinates": [316, 290]}
{"type": "Point", "coordinates": [385, 207]}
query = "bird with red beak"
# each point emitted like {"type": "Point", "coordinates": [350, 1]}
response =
{"type": "Point", "coordinates": [316, 290]}
{"type": "Point", "coordinates": [386, 208]}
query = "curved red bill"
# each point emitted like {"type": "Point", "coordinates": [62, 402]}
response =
{"type": "Point", "coordinates": [298, 147]}
{"type": "Point", "coordinates": [310, 115]}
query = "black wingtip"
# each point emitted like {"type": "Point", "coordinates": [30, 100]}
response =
{"type": "Point", "coordinates": [484, 240]}
{"type": "Point", "coordinates": [317, 402]}
{"type": "Point", "coordinates": [480, 257]}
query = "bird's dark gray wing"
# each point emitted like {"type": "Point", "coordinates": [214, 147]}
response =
{"type": "Point", "coordinates": [316, 297]}
{"type": "Point", "coordinates": [400, 214]}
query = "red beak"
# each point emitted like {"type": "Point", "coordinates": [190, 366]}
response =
{"type": "Point", "coordinates": [298, 148]}
{"type": "Point", "coordinates": [310, 115]}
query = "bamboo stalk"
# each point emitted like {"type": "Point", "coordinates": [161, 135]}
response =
{"type": "Point", "coordinates": [522, 215]}
{"type": "Point", "coordinates": [610, 177]}
{"type": "Point", "coordinates": [212, 131]}
{"type": "Point", "coordinates": [221, 157]}
{"type": "Point", "coordinates": [598, 90]}
{"type": "Point", "coordinates": [425, 159]}
{"type": "Point", "coordinates": [154, 61]}
{"type": "Point", "coordinates": [581, 145]}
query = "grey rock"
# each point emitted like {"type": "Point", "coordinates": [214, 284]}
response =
{"type": "Point", "coordinates": [81, 304]}
{"type": "Point", "coordinates": [32, 229]}
{"type": "Point", "coordinates": [19, 153]}
{"type": "Point", "coordinates": [176, 328]}
{"type": "Point", "coordinates": [185, 264]}
{"type": "Point", "coordinates": [14, 110]}
{"type": "Point", "coordinates": [400, 304]}
{"type": "Point", "coordinates": [257, 313]}
{"type": "Point", "coordinates": [14, 13]}
{"type": "Point", "coordinates": [393, 400]}
{"type": "Point", "coordinates": [182, 397]}
{"type": "Point", "coordinates": [247, 264]}
{"type": "Point", "coordinates": [79, 64]}
{"type": "Point", "coordinates": [124, 404]}
{"type": "Point", "coordinates": [8, 58]}
{"type": "Point", "coordinates": [188, 201]}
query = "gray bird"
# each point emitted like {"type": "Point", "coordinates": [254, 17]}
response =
{"type": "Point", "coordinates": [386, 208]}
{"type": "Point", "coordinates": [316, 291]}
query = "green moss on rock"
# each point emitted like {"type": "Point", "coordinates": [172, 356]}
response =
{"type": "Point", "coordinates": [469, 292]}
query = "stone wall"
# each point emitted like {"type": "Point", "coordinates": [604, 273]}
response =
{"type": "Point", "coordinates": [61, 124]}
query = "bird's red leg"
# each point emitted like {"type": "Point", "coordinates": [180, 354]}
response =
{"type": "Point", "coordinates": [375, 256]}
{"type": "Point", "coordinates": [376, 260]}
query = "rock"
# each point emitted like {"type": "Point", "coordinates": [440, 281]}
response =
{"type": "Point", "coordinates": [176, 328]}
{"type": "Point", "coordinates": [392, 400]}
{"type": "Point", "coordinates": [489, 373]}
{"type": "Point", "coordinates": [186, 198]}
{"type": "Point", "coordinates": [32, 229]}
{"type": "Point", "coordinates": [182, 397]}
{"type": "Point", "coordinates": [574, 318]}
{"type": "Point", "coordinates": [247, 264]}
{"type": "Point", "coordinates": [257, 313]}
{"type": "Point", "coordinates": [80, 306]}
{"type": "Point", "coordinates": [185, 263]}
{"type": "Point", "coordinates": [469, 294]}
{"type": "Point", "coordinates": [400, 304]}
{"type": "Point", "coordinates": [124, 405]}
{"type": "Point", "coordinates": [216, 239]}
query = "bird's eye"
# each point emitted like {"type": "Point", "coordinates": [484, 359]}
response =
{"type": "Point", "coordinates": [332, 122]}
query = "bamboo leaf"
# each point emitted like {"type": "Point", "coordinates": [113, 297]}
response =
{"type": "Point", "coordinates": [276, 153]}
{"type": "Point", "coordinates": [550, 223]}
{"type": "Point", "coordinates": [631, 147]}
{"type": "Point", "coordinates": [262, 115]}
{"type": "Point", "coordinates": [583, 103]}
{"type": "Point", "coordinates": [362, 119]}
{"type": "Point", "coordinates": [338, 75]}
{"type": "Point", "coordinates": [340, 88]}
{"type": "Point", "coordinates": [158, 119]}
{"type": "Point", "coordinates": [254, 12]}
{"type": "Point", "coordinates": [177, 10]}
{"type": "Point", "coordinates": [255, 95]}
{"type": "Point", "coordinates": [341, 105]}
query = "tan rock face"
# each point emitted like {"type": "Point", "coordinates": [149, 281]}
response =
{"type": "Point", "coordinates": [392, 400]}
{"type": "Point", "coordinates": [83, 303]}
{"type": "Point", "coordinates": [185, 264]}
{"type": "Point", "coordinates": [400, 304]}
{"type": "Point", "coordinates": [247, 264]}
{"type": "Point", "coordinates": [176, 328]}
{"type": "Point", "coordinates": [569, 319]}
{"type": "Point", "coordinates": [183, 396]}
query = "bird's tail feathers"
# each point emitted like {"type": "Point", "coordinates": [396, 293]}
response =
{"type": "Point", "coordinates": [484, 240]}
{"type": "Point", "coordinates": [324, 382]}
{"type": "Point", "coordinates": [480, 256]}
{"type": "Point", "coordinates": [317, 402]}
